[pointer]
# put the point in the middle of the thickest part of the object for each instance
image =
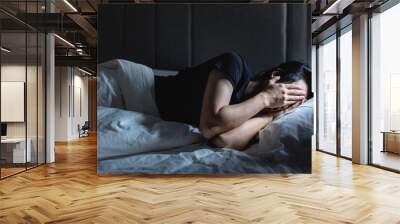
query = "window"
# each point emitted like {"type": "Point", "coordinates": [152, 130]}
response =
{"type": "Point", "coordinates": [334, 106]}
{"type": "Point", "coordinates": [327, 96]}
{"type": "Point", "coordinates": [385, 88]}
{"type": "Point", "coordinates": [22, 77]}
{"type": "Point", "coordinates": [346, 93]}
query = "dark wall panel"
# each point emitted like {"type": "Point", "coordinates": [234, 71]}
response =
{"type": "Point", "coordinates": [140, 34]}
{"type": "Point", "coordinates": [298, 33]}
{"type": "Point", "coordinates": [256, 31]}
{"type": "Point", "coordinates": [172, 36]}
{"type": "Point", "coordinates": [110, 32]}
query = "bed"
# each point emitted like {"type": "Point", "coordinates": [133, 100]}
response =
{"type": "Point", "coordinates": [133, 139]}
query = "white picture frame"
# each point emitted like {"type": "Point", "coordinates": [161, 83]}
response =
{"type": "Point", "coordinates": [12, 101]}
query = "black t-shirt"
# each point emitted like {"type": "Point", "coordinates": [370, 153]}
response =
{"type": "Point", "coordinates": [180, 98]}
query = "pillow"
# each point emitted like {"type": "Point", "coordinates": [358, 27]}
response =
{"type": "Point", "coordinates": [126, 85]}
{"type": "Point", "coordinates": [287, 139]}
{"type": "Point", "coordinates": [164, 73]}
{"type": "Point", "coordinates": [123, 133]}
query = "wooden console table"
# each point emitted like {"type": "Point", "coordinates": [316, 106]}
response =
{"type": "Point", "coordinates": [391, 141]}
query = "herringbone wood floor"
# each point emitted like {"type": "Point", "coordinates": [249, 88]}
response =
{"type": "Point", "coordinates": [70, 191]}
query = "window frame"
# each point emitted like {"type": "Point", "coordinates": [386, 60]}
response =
{"type": "Point", "coordinates": [333, 37]}
{"type": "Point", "coordinates": [378, 10]}
{"type": "Point", "coordinates": [27, 29]}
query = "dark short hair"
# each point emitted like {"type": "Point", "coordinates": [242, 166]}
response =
{"type": "Point", "coordinates": [289, 72]}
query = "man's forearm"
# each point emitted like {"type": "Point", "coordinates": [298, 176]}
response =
{"type": "Point", "coordinates": [232, 116]}
{"type": "Point", "coordinates": [239, 138]}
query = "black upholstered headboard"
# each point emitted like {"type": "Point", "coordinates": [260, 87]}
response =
{"type": "Point", "coordinates": [174, 36]}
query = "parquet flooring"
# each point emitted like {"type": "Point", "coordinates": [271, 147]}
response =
{"type": "Point", "coordinates": [70, 191]}
{"type": "Point", "coordinates": [10, 171]}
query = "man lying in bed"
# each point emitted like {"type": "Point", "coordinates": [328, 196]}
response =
{"type": "Point", "coordinates": [228, 102]}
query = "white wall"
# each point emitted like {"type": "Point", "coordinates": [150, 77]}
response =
{"type": "Point", "coordinates": [16, 72]}
{"type": "Point", "coordinates": [62, 82]}
{"type": "Point", "coordinates": [80, 102]}
{"type": "Point", "coordinates": [33, 127]}
{"type": "Point", "coordinates": [12, 73]}
{"type": "Point", "coordinates": [71, 102]}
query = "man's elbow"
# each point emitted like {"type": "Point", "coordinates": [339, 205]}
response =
{"type": "Point", "coordinates": [220, 142]}
{"type": "Point", "coordinates": [206, 132]}
{"type": "Point", "coordinates": [226, 141]}
{"type": "Point", "coordinates": [216, 123]}
{"type": "Point", "coordinates": [209, 128]}
{"type": "Point", "coordinates": [211, 134]}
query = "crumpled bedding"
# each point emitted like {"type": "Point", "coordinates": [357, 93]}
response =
{"type": "Point", "coordinates": [192, 159]}
{"type": "Point", "coordinates": [132, 142]}
{"type": "Point", "coordinates": [124, 133]}
{"type": "Point", "coordinates": [132, 139]}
